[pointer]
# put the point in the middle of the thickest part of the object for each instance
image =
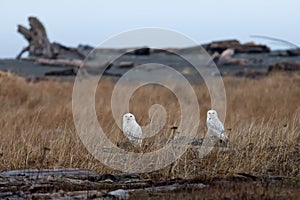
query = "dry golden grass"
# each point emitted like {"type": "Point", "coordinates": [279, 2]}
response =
{"type": "Point", "coordinates": [263, 123]}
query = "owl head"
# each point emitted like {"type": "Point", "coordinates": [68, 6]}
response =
{"type": "Point", "coordinates": [212, 114]}
{"type": "Point", "coordinates": [128, 117]}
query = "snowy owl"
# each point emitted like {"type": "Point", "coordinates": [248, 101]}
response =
{"type": "Point", "coordinates": [132, 129]}
{"type": "Point", "coordinates": [215, 126]}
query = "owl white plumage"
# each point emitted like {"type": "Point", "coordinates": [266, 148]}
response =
{"type": "Point", "coordinates": [131, 129]}
{"type": "Point", "coordinates": [215, 126]}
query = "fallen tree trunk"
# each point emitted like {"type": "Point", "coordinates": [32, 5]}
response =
{"type": "Point", "coordinates": [59, 62]}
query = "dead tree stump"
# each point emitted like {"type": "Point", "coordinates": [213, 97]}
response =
{"type": "Point", "coordinates": [39, 45]}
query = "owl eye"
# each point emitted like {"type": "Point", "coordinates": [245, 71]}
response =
{"type": "Point", "coordinates": [130, 115]}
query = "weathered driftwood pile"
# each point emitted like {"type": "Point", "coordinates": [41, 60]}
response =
{"type": "Point", "coordinates": [87, 184]}
{"type": "Point", "coordinates": [41, 47]}
{"type": "Point", "coordinates": [44, 52]}
{"type": "Point", "coordinates": [82, 184]}
{"type": "Point", "coordinates": [221, 46]}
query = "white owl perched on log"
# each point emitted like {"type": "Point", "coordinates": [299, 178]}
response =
{"type": "Point", "coordinates": [131, 129]}
{"type": "Point", "coordinates": [215, 126]}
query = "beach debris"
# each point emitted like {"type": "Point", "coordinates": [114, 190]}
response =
{"type": "Point", "coordinates": [293, 52]}
{"type": "Point", "coordinates": [126, 64]}
{"type": "Point", "coordinates": [70, 173]}
{"type": "Point", "coordinates": [231, 56]}
{"type": "Point", "coordinates": [125, 194]}
{"type": "Point", "coordinates": [39, 44]}
{"type": "Point", "coordinates": [226, 58]}
{"type": "Point", "coordinates": [119, 194]}
{"type": "Point", "coordinates": [214, 57]}
{"type": "Point", "coordinates": [228, 53]}
{"type": "Point", "coordinates": [251, 73]}
{"type": "Point", "coordinates": [84, 50]}
{"type": "Point", "coordinates": [59, 62]}
{"type": "Point", "coordinates": [285, 66]}
{"type": "Point", "coordinates": [250, 47]}
{"type": "Point", "coordinates": [82, 184]}
{"type": "Point", "coordinates": [65, 72]}
{"type": "Point", "coordinates": [144, 51]}
{"type": "Point", "coordinates": [41, 47]}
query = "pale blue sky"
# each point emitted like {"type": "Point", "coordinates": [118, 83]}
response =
{"type": "Point", "coordinates": [91, 22]}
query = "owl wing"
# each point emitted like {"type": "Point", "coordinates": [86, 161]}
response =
{"type": "Point", "coordinates": [218, 125]}
{"type": "Point", "coordinates": [139, 135]}
{"type": "Point", "coordinates": [217, 129]}
{"type": "Point", "coordinates": [127, 131]}
{"type": "Point", "coordinates": [133, 132]}
{"type": "Point", "coordinates": [222, 135]}
{"type": "Point", "coordinates": [215, 124]}
{"type": "Point", "coordinates": [137, 131]}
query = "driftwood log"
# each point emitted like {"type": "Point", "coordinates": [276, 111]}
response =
{"type": "Point", "coordinates": [40, 46]}
{"type": "Point", "coordinates": [221, 46]}
{"type": "Point", "coordinates": [81, 184]}
{"type": "Point", "coordinates": [87, 184]}
{"type": "Point", "coordinates": [285, 66]}
{"type": "Point", "coordinates": [59, 62]}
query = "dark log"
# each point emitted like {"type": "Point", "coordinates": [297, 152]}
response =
{"type": "Point", "coordinates": [285, 66]}
{"type": "Point", "coordinates": [145, 51]}
{"type": "Point", "coordinates": [293, 52]}
{"type": "Point", "coordinates": [66, 72]}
